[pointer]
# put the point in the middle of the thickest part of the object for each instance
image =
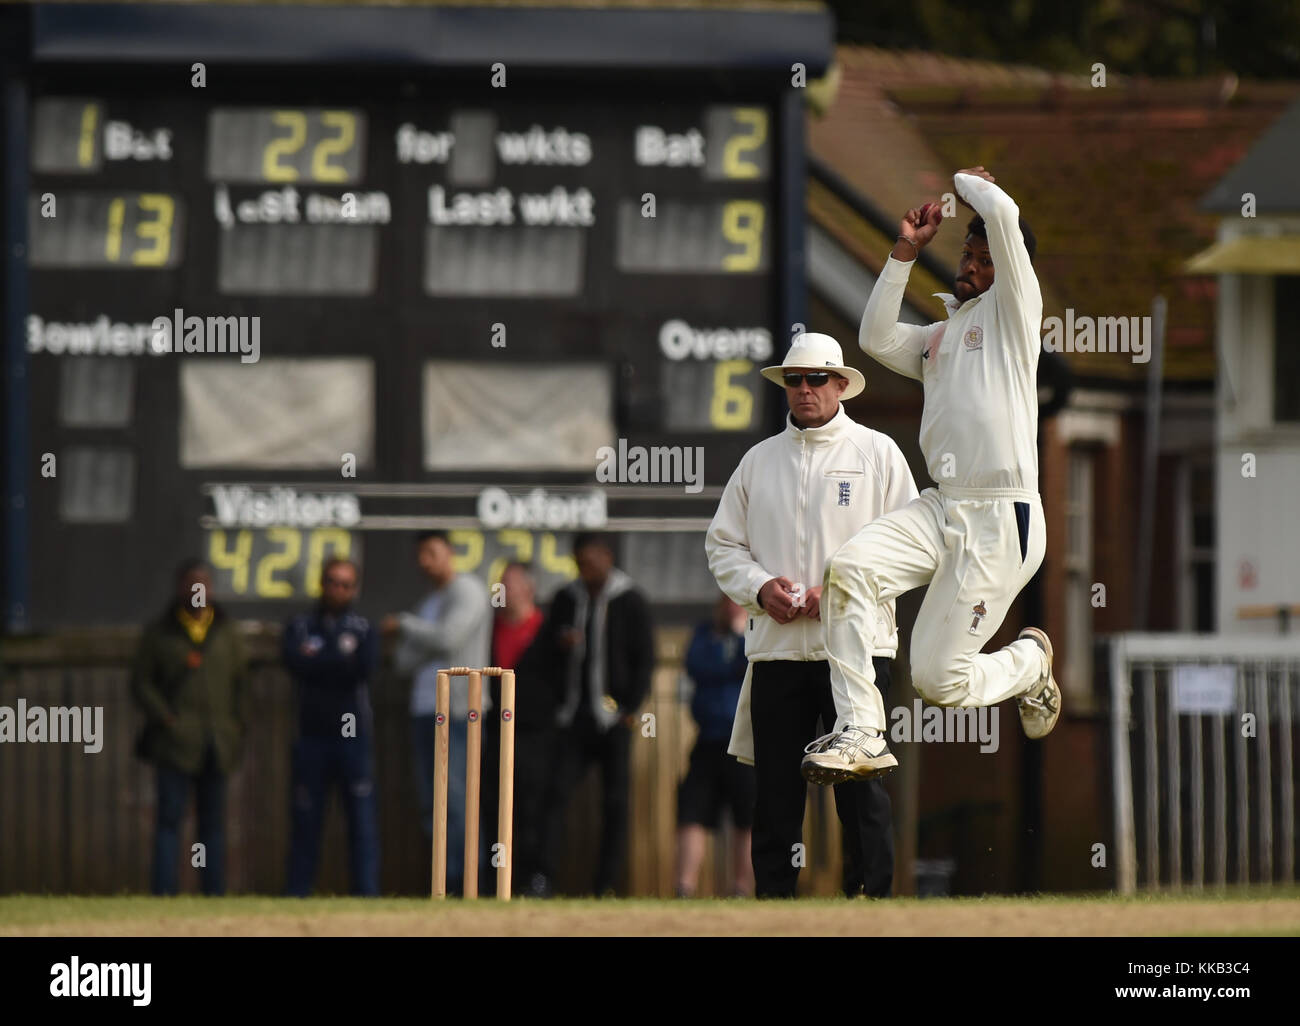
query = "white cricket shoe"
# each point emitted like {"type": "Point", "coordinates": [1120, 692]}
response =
{"type": "Point", "coordinates": [1040, 708]}
{"type": "Point", "coordinates": [850, 754]}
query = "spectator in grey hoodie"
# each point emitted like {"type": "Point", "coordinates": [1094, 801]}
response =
{"type": "Point", "coordinates": [452, 626]}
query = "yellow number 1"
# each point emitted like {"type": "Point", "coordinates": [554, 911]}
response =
{"type": "Point", "coordinates": [113, 237]}
{"type": "Point", "coordinates": [86, 144]}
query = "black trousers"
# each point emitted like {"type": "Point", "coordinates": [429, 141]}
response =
{"type": "Point", "coordinates": [576, 748]}
{"type": "Point", "coordinates": [534, 757]}
{"type": "Point", "coordinates": [786, 700]}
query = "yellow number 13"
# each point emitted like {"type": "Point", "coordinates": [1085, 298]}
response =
{"type": "Point", "coordinates": [157, 231]}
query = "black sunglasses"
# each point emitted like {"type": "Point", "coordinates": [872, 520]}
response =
{"type": "Point", "coordinates": [815, 379]}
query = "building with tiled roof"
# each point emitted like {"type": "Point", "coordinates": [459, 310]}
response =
{"type": "Point", "coordinates": [1111, 179]}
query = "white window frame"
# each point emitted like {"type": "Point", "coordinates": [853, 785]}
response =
{"type": "Point", "coordinates": [1080, 506]}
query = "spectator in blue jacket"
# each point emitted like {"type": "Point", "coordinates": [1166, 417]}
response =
{"type": "Point", "coordinates": [331, 653]}
{"type": "Point", "coordinates": [715, 662]}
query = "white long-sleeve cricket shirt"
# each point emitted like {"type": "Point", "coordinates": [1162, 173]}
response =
{"type": "Point", "coordinates": [979, 428]}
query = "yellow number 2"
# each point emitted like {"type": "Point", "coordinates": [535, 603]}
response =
{"type": "Point", "coordinates": [272, 169]}
{"type": "Point", "coordinates": [733, 164]}
{"type": "Point", "coordinates": [732, 407]}
{"type": "Point", "coordinates": [321, 168]}
{"type": "Point", "coordinates": [267, 585]}
{"type": "Point", "coordinates": [468, 561]}
{"type": "Point", "coordinates": [742, 224]}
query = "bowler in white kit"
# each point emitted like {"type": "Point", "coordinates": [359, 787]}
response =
{"type": "Point", "coordinates": [978, 537]}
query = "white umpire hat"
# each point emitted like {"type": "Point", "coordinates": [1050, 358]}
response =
{"type": "Point", "coordinates": [811, 349]}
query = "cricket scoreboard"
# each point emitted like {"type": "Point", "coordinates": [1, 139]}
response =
{"type": "Point", "coordinates": [352, 277]}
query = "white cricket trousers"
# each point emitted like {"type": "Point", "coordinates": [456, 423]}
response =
{"type": "Point", "coordinates": [975, 548]}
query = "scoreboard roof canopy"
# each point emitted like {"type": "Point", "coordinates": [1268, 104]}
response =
{"type": "Point", "coordinates": [749, 36]}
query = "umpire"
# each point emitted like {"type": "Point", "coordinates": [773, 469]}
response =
{"type": "Point", "coordinates": [331, 654]}
{"type": "Point", "coordinates": [792, 502]}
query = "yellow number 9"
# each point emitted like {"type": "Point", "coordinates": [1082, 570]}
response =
{"type": "Point", "coordinates": [742, 224]}
{"type": "Point", "coordinates": [732, 407]}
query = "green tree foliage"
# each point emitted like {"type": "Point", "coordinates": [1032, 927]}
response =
{"type": "Point", "coordinates": [1160, 38]}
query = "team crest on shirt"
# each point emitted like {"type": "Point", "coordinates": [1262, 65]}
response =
{"type": "Point", "coordinates": [845, 492]}
{"type": "Point", "coordinates": [974, 338]}
{"type": "Point", "coordinates": [347, 643]}
{"type": "Point", "coordinates": [980, 612]}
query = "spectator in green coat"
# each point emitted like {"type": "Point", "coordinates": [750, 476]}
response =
{"type": "Point", "coordinates": [191, 678]}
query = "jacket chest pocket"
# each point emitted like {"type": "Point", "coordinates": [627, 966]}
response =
{"type": "Point", "coordinates": [843, 487]}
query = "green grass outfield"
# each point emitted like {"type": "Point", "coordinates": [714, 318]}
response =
{"type": "Point", "coordinates": [1230, 912]}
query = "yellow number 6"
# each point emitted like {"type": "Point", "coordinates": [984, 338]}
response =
{"type": "Point", "coordinates": [732, 408]}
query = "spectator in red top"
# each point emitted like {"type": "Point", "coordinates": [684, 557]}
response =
{"type": "Point", "coordinates": [513, 630]}
{"type": "Point", "coordinates": [516, 625]}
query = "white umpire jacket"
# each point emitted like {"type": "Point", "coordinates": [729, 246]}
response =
{"type": "Point", "coordinates": [792, 502]}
